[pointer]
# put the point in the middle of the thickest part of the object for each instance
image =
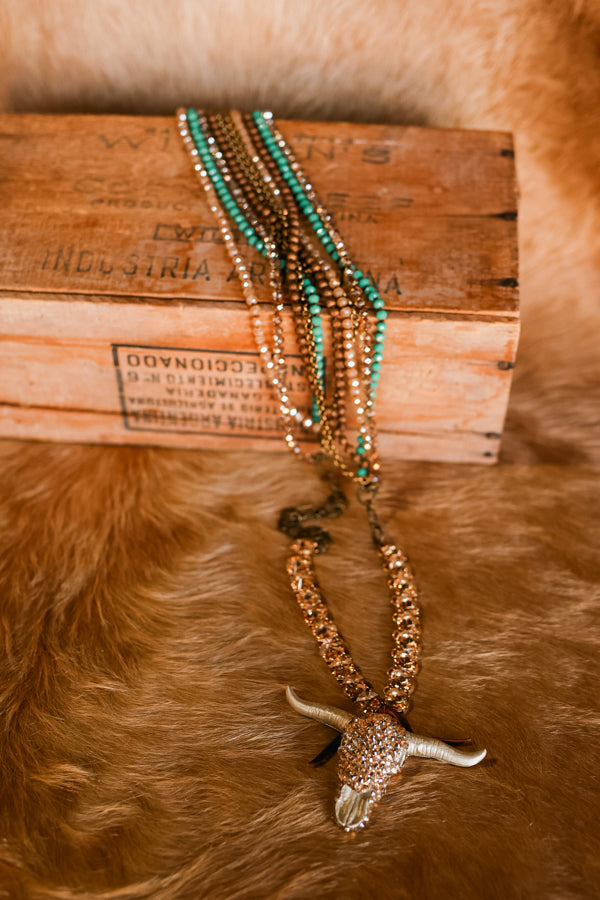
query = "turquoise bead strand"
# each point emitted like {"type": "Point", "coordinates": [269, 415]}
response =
{"type": "Point", "coordinates": [329, 239]}
{"type": "Point", "coordinates": [246, 168]}
{"type": "Point", "coordinates": [226, 198]}
{"type": "Point", "coordinates": [207, 152]}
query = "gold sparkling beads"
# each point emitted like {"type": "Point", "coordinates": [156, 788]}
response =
{"type": "Point", "coordinates": [331, 644]}
{"type": "Point", "coordinates": [407, 628]}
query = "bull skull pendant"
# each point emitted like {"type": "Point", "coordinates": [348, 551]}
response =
{"type": "Point", "coordinates": [375, 744]}
{"type": "Point", "coordinates": [374, 747]}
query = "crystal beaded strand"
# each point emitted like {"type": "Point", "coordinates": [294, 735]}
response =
{"type": "Point", "coordinates": [219, 199]}
{"type": "Point", "coordinates": [321, 223]}
{"type": "Point", "coordinates": [260, 196]}
{"type": "Point", "coordinates": [222, 177]}
{"type": "Point", "coordinates": [352, 352]}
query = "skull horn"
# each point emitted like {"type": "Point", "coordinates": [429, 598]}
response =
{"type": "Point", "coordinates": [328, 715]}
{"type": "Point", "coordinates": [431, 748]}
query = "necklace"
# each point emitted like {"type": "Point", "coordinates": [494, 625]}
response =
{"type": "Point", "coordinates": [262, 200]}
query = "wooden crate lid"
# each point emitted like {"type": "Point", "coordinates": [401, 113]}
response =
{"type": "Point", "coordinates": [109, 205]}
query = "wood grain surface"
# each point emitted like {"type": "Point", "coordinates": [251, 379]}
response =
{"type": "Point", "coordinates": [122, 322]}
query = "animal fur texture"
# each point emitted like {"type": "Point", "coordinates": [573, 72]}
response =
{"type": "Point", "coordinates": [147, 628]}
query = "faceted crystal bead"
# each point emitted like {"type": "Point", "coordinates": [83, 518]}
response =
{"type": "Point", "coordinates": [408, 604]}
{"type": "Point", "coordinates": [388, 550]}
{"type": "Point", "coordinates": [396, 696]}
{"type": "Point", "coordinates": [402, 656]}
{"type": "Point", "coordinates": [324, 631]}
{"type": "Point", "coordinates": [293, 565]}
{"type": "Point", "coordinates": [368, 695]}
{"type": "Point", "coordinates": [410, 645]}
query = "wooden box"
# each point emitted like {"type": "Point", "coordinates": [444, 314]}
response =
{"type": "Point", "coordinates": [122, 322]}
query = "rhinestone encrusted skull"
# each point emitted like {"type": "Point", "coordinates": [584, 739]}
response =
{"type": "Point", "coordinates": [373, 748]}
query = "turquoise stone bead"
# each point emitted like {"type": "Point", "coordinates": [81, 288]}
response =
{"type": "Point", "coordinates": [381, 314]}
{"type": "Point", "coordinates": [364, 282]}
{"type": "Point", "coordinates": [379, 303]}
{"type": "Point", "coordinates": [315, 309]}
{"type": "Point", "coordinates": [362, 472]}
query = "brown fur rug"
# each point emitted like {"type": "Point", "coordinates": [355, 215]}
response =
{"type": "Point", "coordinates": [147, 628]}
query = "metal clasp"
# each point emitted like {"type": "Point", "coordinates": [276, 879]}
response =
{"type": "Point", "coordinates": [366, 494]}
{"type": "Point", "coordinates": [292, 519]}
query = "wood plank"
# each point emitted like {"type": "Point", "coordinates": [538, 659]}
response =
{"type": "Point", "coordinates": [170, 357]}
{"type": "Point", "coordinates": [112, 207]}
{"type": "Point", "coordinates": [76, 426]}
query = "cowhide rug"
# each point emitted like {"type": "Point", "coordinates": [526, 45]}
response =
{"type": "Point", "coordinates": [147, 625]}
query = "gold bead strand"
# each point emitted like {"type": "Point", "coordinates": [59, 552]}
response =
{"type": "Point", "coordinates": [345, 306]}
{"type": "Point", "coordinates": [350, 276]}
{"type": "Point", "coordinates": [295, 287]}
{"type": "Point", "coordinates": [220, 156]}
{"type": "Point", "coordinates": [331, 644]}
{"type": "Point", "coordinates": [242, 270]}
{"type": "Point", "coordinates": [407, 628]}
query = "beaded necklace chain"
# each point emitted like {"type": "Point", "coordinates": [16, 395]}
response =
{"type": "Point", "coordinates": [263, 201]}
